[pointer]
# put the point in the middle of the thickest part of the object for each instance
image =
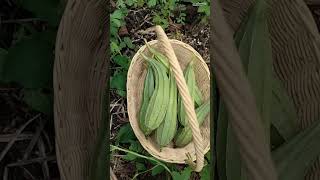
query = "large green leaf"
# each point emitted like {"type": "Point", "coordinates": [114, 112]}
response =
{"type": "Point", "coordinates": [118, 82]}
{"type": "Point", "coordinates": [125, 134]}
{"type": "Point", "coordinates": [45, 9]}
{"type": "Point", "coordinates": [29, 63]}
{"type": "Point", "coordinates": [233, 162]}
{"type": "Point", "coordinates": [39, 101]}
{"type": "Point", "coordinates": [222, 126]}
{"type": "Point", "coordinates": [3, 55]}
{"type": "Point", "coordinates": [275, 138]}
{"type": "Point", "coordinates": [151, 3]}
{"type": "Point", "coordinates": [284, 117]}
{"type": "Point", "coordinates": [205, 173]}
{"type": "Point", "coordinates": [123, 61]}
{"type": "Point", "coordinates": [256, 55]}
{"type": "Point", "coordinates": [157, 170]}
{"type": "Point", "coordinates": [49, 36]}
{"type": "Point", "coordinates": [259, 60]}
{"type": "Point", "coordinates": [294, 157]}
{"type": "Point", "coordinates": [182, 175]}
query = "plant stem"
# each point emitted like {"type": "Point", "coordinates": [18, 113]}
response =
{"type": "Point", "coordinates": [142, 156]}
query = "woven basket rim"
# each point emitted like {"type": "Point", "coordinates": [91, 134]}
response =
{"type": "Point", "coordinates": [140, 136]}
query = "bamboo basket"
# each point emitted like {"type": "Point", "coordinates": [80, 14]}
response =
{"type": "Point", "coordinates": [181, 54]}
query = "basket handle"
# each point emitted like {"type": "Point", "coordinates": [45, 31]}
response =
{"type": "Point", "coordinates": [166, 48]}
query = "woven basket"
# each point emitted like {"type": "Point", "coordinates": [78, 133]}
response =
{"type": "Point", "coordinates": [136, 74]}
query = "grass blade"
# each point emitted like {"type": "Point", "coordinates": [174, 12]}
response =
{"type": "Point", "coordinates": [260, 63]}
{"type": "Point", "coordinates": [233, 161]}
{"type": "Point", "coordinates": [284, 116]}
{"type": "Point", "coordinates": [294, 157]}
{"type": "Point", "coordinates": [221, 141]}
{"type": "Point", "coordinates": [256, 54]}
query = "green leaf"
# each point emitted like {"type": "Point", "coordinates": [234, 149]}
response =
{"type": "Point", "coordinates": [233, 160]}
{"type": "Point", "coordinates": [3, 56]}
{"type": "Point", "coordinates": [259, 65]}
{"type": "Point", "coordinates": [205, 173]}
{"type": "Point", "coordinates": [140, 3]}
{"type": "Point", "coordinates": [20, 33]}
{"type": "Point", "coordinates": [276, 138]}
{"type": "Point", "coordinates": [45, 9]}
{"type": "Point", "coordinates": [117, 14]}
{"type": "Point", "coordinates": [130, 157]}
{"type": "Point", "coordinates": [208, 156]}
{"type": "Point", "coordinates": [135, 146]}
{"type": "Point", "coordinates": [122, 44]}
{"type": "Point", "coordinates": [100, 155]}
{"type": "Point", "coordinates": [158, 20]}
{"type": "Point", "coordinates": [243, 38]}
{"type": "Point", "coordinates": [297, 155]}
{"type": "Point", "coordinates": [48, 36]}
{"type": "Point", "coordinates": [222, 127]}
{"type": "Point", "coordinates": [256, 54]}
{"type": "Point", "coordinates": [284, 116]}
{"type": "Point", "coordinates": [140, 166]}
{"type": "Point", "coordinates": [128, 42]}
{"type": "Point", "coordinates": [39, 101]}
{"type": "Point", "coordinates": [121, 93]}
{"type": "Point", "coordinates": [151, 3]}
{"type": "Point", "coordinates": [122, 61]}
{"type": "Point", "coordinates": [117, 22]}
{"type": "Point", "coordinates": [183, 175]}
{"type": "Point", "coordinates": [29, 63]}
{"type": "Point", "coordinates": [125, 134]}
{"type": "Point", "coordinates": [130, 2]}
{"type": "Point", "coordinates": [157, 170]}
{"type": "Point", "coordinates": [118, 80]}
{"type": "Point", "coordinates": [113, 29]}
{"type": "Point", "coordinates": [120, 4]}
{"type": "Point", "coordinates": [204, 9]}
{"type": "Point", "coordinates": [114, 47]}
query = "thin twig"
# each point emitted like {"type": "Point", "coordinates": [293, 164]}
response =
{"type": "Point", "coordinates": [33, 141]}
{"type": "Point", "coordinates": [21, 20]}
{"type": "Point", "coordinates": [48, 142]}
{"type": "Point", "coordinates": [31, 161]}
{"type": "Point", "coordinates": [5, 173]}
{"type": "Point", "coordinates": [138, 174]}
{"type": "Point", "coordinates": [112, 175]}
{"type": "Point", "coordinates": [28, 173]}
{"type": "Point", "coordinates": [45, 167]}
{"type": "Point", "coordinates": [111, 122]}
{"type": "Point", "coordinates": [19, 131]}
{"type": "Point", "coordinates": [118, 155]}
{"type": "Point", "coordinates": [142, 156]}
{"type": "Point", "coordinates": [7, 137]}
{"type": "Point", "coordinates": [9, 2]}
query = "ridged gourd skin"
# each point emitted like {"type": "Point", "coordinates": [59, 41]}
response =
{"type": "Point", "coordinates": [164, 60]}
{"type": "Point", "coordinates": [198, 99]}
{"type": "Point", "coordinates": [191, 83]}
{"type": "Point", "coordinates": [184, 134]}
{"type": "Point", "coordinates": [157, 106]}
{"type": "Point", "coordinates": [166, 131]}
{"type": "Point", "coordinates": [147, 93]}
{"type": "Point", "coordinates": [158, 56]}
